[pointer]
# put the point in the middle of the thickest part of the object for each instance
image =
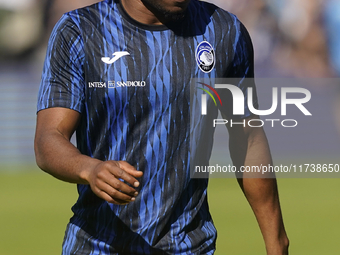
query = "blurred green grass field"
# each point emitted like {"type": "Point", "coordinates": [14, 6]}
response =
{"type": "Point", "coordinates": [35, 209]}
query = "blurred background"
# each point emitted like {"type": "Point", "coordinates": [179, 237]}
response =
{"type": "Point", "coordinates": [292, 38]}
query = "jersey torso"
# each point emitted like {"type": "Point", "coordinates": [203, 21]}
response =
{"type": "Point", "coordinates": [131, 84]}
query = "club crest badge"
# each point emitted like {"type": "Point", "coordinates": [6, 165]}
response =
{"type": "Point", "coordinates": [205, 57]}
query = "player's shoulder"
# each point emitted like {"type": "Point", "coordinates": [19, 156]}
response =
{"type": "Point", "coordinates": [215, 13]}
{"type": "Point", "coordinates": [92, 12]}
{"type": "Point", "coordinates": [80, 20]}
{"type": "Point", "coordinates": [209, 7]}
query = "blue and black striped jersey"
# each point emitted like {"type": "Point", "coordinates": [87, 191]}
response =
{"type": "Point", "coordinates": [131, 83]}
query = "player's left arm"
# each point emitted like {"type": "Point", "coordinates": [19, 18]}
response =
{"type": "Point", "coordinates": [249, 147]}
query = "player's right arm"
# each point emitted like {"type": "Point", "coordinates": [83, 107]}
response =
{"type": "Point", "coordinates": [60, 104]}
{"type": "Point", "coordinates": [56, 155]}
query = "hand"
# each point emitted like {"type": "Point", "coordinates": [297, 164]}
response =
{"type": "Point", "coordinates": [105, 181]}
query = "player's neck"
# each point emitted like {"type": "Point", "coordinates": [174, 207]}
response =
{"type": "Point", "coordinates": [137, 10]}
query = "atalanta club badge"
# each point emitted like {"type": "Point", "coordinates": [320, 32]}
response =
{"type": "Point", "coordinates": [205, 56]}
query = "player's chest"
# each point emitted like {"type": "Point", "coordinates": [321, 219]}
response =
{"type": "Point", "coordinates": [157, 66]}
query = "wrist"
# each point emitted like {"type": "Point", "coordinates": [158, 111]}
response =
{"type": "Point", "coordinates": [87, 167]}
{"type": "Point", "coordinates": [278, 247]}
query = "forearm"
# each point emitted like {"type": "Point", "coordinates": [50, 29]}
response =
{"type": "Point", "coordinates": [113, 181]}
{"type": "Point", "coordinates": [263, 198]}
{"type": "Point", "coordinates": [56, 155]}
{"type": "Point", "coordinates": [260, 190]}
{"type": "Point", "coordinates": [262, 194]}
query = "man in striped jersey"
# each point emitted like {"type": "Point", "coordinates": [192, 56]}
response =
{"type": "Point", "coordinates": [118, 73]}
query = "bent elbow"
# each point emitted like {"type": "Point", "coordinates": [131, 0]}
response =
{"type": "Point", "coordinates": [38, 152]}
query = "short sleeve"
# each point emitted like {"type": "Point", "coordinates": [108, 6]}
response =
{"type": "Point", "coordinates": [240, 70]}
{"type": "Point", "coordinates": [63, 82]}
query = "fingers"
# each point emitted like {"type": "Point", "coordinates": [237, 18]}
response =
{"type": "Point", "coordinates": [115, 196]}
{"type": "Point", "coordinates": [115, 182]}
{"type": "Point", "coordinates": [128, 173]}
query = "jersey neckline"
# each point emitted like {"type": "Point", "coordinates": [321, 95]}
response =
{"type": "Point", "coordinates": [136, 23]}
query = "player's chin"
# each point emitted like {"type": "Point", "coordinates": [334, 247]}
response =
{"type": "Point", "coordinates": [174, 15]}
{"type": "Point", "coordinates": [177, 9]}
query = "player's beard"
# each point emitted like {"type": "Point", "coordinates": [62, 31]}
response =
{"type": "Point", "coordinates": [162, 13]}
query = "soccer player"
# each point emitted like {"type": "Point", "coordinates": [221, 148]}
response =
{"type": "Point", "coordinates": [118, 73]}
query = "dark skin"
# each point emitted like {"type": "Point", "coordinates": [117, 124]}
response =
{"type": "Point", "coordinates": [155, 12]}
{"type": "Point", "coordinates": [55, 127]}
{"type": "Point", "coordinates": [248, 146]}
